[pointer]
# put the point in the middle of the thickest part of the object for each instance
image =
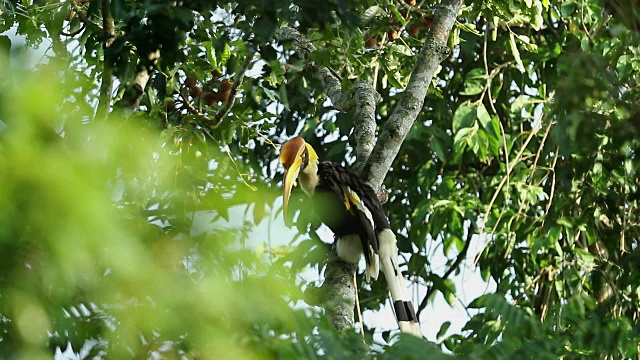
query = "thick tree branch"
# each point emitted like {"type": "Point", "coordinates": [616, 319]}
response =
{"type": "Point", "coordinates": [394, 132]}
{"type": "Point", "coordinates": [107, 20]}
{"type": "Point", "coordinates": [343, 101]}
{"type": "Point", "coordinates": [363, 99]}
{"type": "Point", "coordinates": [302, 45]}
{"type": "Point", "coordinates": [339, 289]}
{"type": "Point", "coordinates": [364, 128]}
{"type": "Point", "coordinates": [375, 160]}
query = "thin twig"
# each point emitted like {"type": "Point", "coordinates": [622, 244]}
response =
{"type": "Point", "coordinates": [359, 312]}
{"type": "Point", "coordinates": [533, 132]}
{"type": "Point", "coordinates": [74, 33]}
{"type": "Point", "coordinates": [553, 181]}
{"type": "Point", "coordinates": [237, 81]}
{"type": "Point", "coordinates": [90, 23]}
{"type": "Point", "coordinates": [529, 183]}
{"type": "Point", "coordinates": [461, 256]}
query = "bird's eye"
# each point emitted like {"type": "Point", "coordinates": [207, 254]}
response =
{"type": "Point", "coordinates": [305, 159]}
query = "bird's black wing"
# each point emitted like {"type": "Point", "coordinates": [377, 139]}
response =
{"type": "Point", "coordinates": [344, 197]}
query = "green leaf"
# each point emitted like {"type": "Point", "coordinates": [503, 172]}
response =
{"type": "Point", "coordinates": [566, 222]}
{"type": "Point", "coordinates": [480, 302]}
{"type": "Point", "coordinates": [516, 53]}
{"type": "Point", "coordinates": [587, 259]}
{"type": "Point", "coordinates": [440, 147]}
{"type": "Point", "coordinates": [624, 65]}
{"type": "Point", "coordinates": [370, 13]}
{"type": "Point", "coordinates": [392, 75]}
{"type": "Point", "coordinates": [321, 57]}
{"type": "Point", "coordinates": [480, 145]}
{"type": "Point", "coordinates": [538, 20]}
{"type": "Point", "coordinates": [464, 116]}
{"type": "Point", "coordinates": [226, 54]}
{"type": "Point", "coordinates": [396, 14]}
{"type": "Point", "coordinates": [485, 273]}
{"type": "Point", "coordinates": [465, 137]}
{"type": "Point", "coordinates": [454, 37]}
{"type": "Point", "coordinates": [442, 203]}
{"type": "Point", "coordinates": [450, 293]}
{"type": "Point", "coordinates": [211, 53]}
{"type": "Point", "coordinates": [484, 117]}
{"type": "Point", "coordinates": [519, 103]}
{"type": "Point", "coordinates": [470, 28]}
{"type": "Point", "coordinates": [443, 329]}
{"type": "Point", "coordinates": [283, 97]}
{"type": "Point", "coordinates": [472, 87]}
{"type": "Point", "coordinates": [494, 136]}
{"type": "Point", "coordinates": [273, 79]}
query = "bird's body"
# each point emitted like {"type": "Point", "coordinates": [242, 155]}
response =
{"type": "Point", "coordinates": [351, 209]}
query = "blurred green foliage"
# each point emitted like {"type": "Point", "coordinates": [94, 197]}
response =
{"type": "Point", "coordinates": [528, 139]}
{"type": "Point", "coordinates": [84, 256]}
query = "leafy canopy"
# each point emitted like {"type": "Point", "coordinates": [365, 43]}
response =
{"type": "Point", "coordinates": [527, 142]}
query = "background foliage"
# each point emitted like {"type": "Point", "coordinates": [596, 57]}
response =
{"type": "Point", "coordinates": [528, 142]}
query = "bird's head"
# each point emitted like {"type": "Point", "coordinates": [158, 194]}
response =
{"type": "Point", "coordinates": [295, 155]}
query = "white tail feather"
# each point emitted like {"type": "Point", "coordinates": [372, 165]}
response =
{"type": "Point", "coordinates": [395, 281]}
{"type": "Point", "coordinates": [349, 249]}
{"type": "Point", "coordinates": [373, 269]}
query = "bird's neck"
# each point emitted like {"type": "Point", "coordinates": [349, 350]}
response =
{"type": "Point", "coordinates": [309, 178]}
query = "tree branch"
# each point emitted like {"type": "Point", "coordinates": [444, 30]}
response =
{"type": "Point", "coordinates": [339, 275]}
{"type": "Point", "coordinates": [364, 128]}
{"type": "Point", "coordinates": [74, 33]}
{"type": "Point", "coordinates": [133, 95]}
{"type": "Point", "coordinates": [106, 87]}
{"type": "Point", "coordinates": [80, 12]}
{"type": "Point", "coordinates": [461, 256]}
{"type": "Point", "coordinates": [363, 100]}
{"type": "Point", "coordinates": [394, 132]}
{"type": "Point", "coordinates": [237, 81]}
{"type": "Point", "coordinates": [343, 101]}
{"type": "Point", "coordinates": [107, 21]}
{"type": "Point", "coordinates": [340, 291]}
{"type": "Point", "coordinates": [375, 160]}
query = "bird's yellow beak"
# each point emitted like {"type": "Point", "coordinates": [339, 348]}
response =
{"type": "Point", "coordinates": [291, 157]}
{"type": "Point", "coordinates": [290, 176]}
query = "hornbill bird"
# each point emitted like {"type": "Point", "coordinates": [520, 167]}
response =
{"type": "Point", "coordinates": [351, 209]}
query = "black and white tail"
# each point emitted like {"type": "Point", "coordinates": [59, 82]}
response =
{"type": "Point", "coordinates": [405, 313]}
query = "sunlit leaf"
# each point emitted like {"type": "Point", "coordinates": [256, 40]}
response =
{"type": "Point", "coordinates": [515, 52]}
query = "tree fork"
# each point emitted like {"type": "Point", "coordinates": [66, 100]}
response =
{"type": "Point", "coordinates": [374, 164]}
